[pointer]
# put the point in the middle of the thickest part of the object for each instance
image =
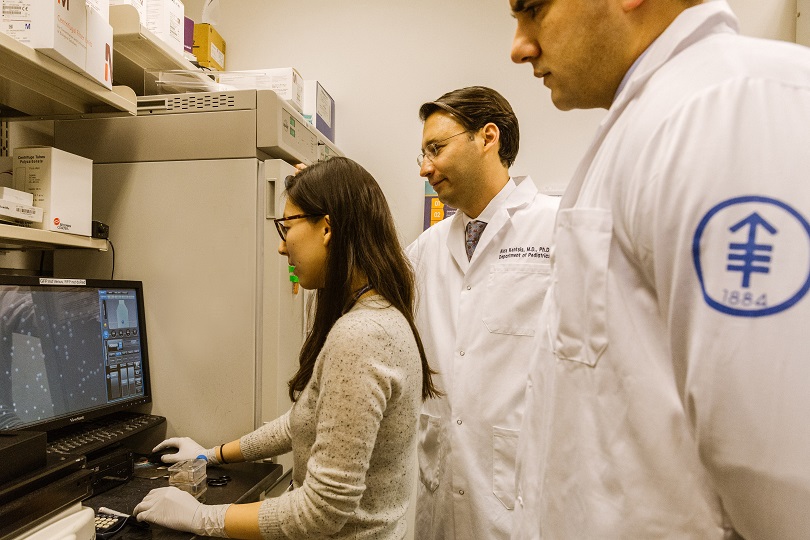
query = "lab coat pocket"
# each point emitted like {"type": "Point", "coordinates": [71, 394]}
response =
{"type": "Point", "coordinates": [579, 320]}
{"type": "Point", "coordinates": [504, 457]}
{"type": "Point", "coordinates": [523, 286]}
{"type": "Point", "coordinates": [431, 453]}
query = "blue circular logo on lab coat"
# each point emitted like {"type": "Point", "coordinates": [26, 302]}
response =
{"type": "Point", "coordinates": [752, 256]}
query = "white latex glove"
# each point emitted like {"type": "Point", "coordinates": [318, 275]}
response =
{"type": "Point", "coordinates": [179, 510]}
{"type": "Point", "coordinates": [187, 448]}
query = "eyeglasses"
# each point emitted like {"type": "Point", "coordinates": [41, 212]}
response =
{"type": "Point", "coordinates": [282, 229]}
{"type": "Point", "coordinates": [432, 150]}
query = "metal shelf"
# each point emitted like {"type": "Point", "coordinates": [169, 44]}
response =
{"type": "Point", "coordinates": [34, 86]}
{"type": "Point", "coordinates": [136, 50]}
{"type": "Point", "coordinates": [14, 237]}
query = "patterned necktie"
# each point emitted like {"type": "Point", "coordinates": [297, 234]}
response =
{"type": "Point", "coordinates": [474, 230]}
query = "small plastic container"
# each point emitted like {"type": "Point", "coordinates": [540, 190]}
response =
{"type": "Point", "coordinates": [190, 476]}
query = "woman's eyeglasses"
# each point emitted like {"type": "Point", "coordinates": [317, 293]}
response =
{"type": "Point", "coordinates": [282, 229]}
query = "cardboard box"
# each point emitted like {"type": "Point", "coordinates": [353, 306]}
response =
{"type": "Point", "coordinates": [59, 30]}
{"type": "Point", "coordinates": [164, 18]}
{"type": "Point", "coordinates": [98, 63]}
{"type": "Point", "coordinates": [19, 214]}
{"type": "Point", "coordinates": [16, 196]}
{"type": "Point", "coordinates": [16, 18]}
{"type": "Point", "coordinates": [139, 5]}
{"type": "Point", "coordinates": [209, 47]}
{"type": "Point", "coordinates": [319, 108]}
{"type": "Point", "coordinates": [62, 185]}
{"type": "Point", "coordinates": [287, 83]}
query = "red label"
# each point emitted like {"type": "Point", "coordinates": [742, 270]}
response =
{"type": "Point", "coordinates": [56, 221]}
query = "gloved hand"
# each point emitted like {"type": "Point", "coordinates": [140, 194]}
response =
{"type": "Point", "coordinates": [179, 510]}
{"type": "Point", "coordinates": [187, 448]}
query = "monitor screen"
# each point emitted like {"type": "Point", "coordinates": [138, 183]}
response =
{"type": "Point", "coordinates": [70, 350]}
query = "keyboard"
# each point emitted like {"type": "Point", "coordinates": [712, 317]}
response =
{"type": "Point", "coordinates": [102, 433]}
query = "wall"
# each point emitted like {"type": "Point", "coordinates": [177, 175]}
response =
{"type": "Point", "coordinates": [381, 60]}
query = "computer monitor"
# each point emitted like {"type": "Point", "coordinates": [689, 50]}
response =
{"type": "Point", "coordinates": [71, 350]}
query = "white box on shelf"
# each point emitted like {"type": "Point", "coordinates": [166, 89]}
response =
{"type": "Point", "coordinates": [15, 212]}
{"type": "Point", "coordinates": [16, 196]}
{"type": "Point", "coordinates": [15, 19]}
{"type": "Point", "coordinates": [286, 82]}
{"type": "Point", "coordinates": [98, 65]}
{"type": "Point", "coordinates": [165, 19]}
{"type": "Point", "coordinates": [62, 185]}
{"type": "Point", "coordinates": [319, 108]}
{"type": "Point", "coordinates": [102, 7]}
{"type": "Point", "coordinates": [139, 6]}
{"type": "Point", "coordinates": [59, 30]}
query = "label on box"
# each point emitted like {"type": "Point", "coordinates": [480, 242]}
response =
{"type": "Point", "coordinates": [15, 19]}
{"type": "Point", "coordinates": [14, 212]}
{"type": "Point", "coordinates": [217, 55]}
{"type": "Point", "coordinates": [324, 106]}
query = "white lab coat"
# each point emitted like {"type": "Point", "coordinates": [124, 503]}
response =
{"type": "Point", "coordinates": [669, 398]}
{"type": "Point", "coordinates": [477, 320]}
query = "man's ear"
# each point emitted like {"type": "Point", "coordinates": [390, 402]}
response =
{"type": "Point", "coordinates": [491, 134]}
{"type": "Point", "coordinates": [327, 231]}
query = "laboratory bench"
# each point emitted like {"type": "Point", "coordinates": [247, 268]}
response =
{"type": "Point", "coordinates": [248, 483]}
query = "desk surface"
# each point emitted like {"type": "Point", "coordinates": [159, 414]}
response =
{"type": "Point", "coordinates": [248, 482]}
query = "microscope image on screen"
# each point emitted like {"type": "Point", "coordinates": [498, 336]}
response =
{"type": "Point", "coordinates": [48, 363]}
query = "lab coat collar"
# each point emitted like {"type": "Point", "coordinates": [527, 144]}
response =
{"type": "Point", "coordinates": [691, 26]}
{"type": "Point", "coordinates": [520, 196]}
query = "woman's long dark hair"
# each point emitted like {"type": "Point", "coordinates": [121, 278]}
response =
{"type": "Point", "coordinates": [363, 238]}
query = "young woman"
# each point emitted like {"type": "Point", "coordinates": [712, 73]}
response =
{"type": "Point", "coordinates": [358, 390]}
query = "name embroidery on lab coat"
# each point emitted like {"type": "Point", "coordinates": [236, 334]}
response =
{"type": "Point", "coordinates": [752, 256]}
{"type": "Point", "coordinates": [525, 252]}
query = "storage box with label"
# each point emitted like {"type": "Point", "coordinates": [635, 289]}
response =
{"type": "Point", "coordinates": [286, 82]}
{"type": "Point", "coordinates": [164, 18]}
{"type": "Point", "coordinates": [99, 49]}
{"type": "Point", "coordinates": [209, 47]}
{"type": "Point", "coordinates": [59, 30]}
{"type": "Point", "coordinates": [62, 185]}
{"type": "Point", "coordinates": [319, 108]}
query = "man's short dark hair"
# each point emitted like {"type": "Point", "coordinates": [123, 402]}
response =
{"type": "Point", "coordinates": [476, 106]}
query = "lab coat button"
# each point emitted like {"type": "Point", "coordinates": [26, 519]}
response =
{"type": "Point", "coordinates": [461, 353]}
{"type": "Point", "coordinates": [469, 287]}
{"type": "Point", "coordinates": [461, 492]}
{"type": "Point", "coordinates": [458, 421]}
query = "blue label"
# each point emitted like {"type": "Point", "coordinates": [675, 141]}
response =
{"type": "Point", "coordinates": [752, 256]}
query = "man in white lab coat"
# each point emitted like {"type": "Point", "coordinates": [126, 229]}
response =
{"type": "Point", "coordinates": [477, 312]}
{"type": "Point", "coordinates": [669, 394]}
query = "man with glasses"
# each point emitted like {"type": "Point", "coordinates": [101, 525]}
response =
{"type": "Point", "coordinates": [481, 277]}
